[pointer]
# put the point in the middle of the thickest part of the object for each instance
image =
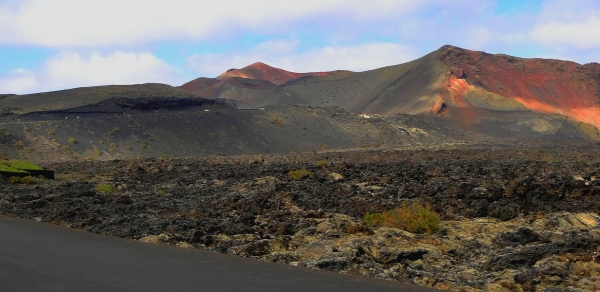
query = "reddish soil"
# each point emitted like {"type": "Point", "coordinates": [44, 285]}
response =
{"type": "Point", "coordinates": [199, 84]}
{"type": "Point", "coordinates": [542, 85]}
{"type": "Point", "coordinates": [263, 71]}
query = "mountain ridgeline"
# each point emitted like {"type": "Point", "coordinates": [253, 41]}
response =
{"type": "Point", "coordinates": [447, 98]}
{"type": "Point", "coordinates": [496, 95]}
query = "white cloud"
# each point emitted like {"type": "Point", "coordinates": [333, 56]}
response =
{"type": "Point", "coordinates": [479, 37]}
{"type": "Point", "coordinates": [355, 58]}
{"type": "Point", "coordinates": [68, 23]}
{"type": "Point", "coordinates": [71, 69]}
{"type": "Point", "coordinates": [277, 46]}
{"type": "Point", "coordinates": [582, 34]}
{"type": "Point", "coordinates": [566, 25]}
{"type": "Point", "coordinates": [17, 81]}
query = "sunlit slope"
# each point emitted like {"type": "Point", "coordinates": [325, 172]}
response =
{"type": "Point", "coordinates": [85, 96]}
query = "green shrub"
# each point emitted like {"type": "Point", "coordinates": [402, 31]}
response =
{"type": "Point", "coordinates": [412, 217]}
{"type": "Point", "coordinates": [371, 219]}
{"type": "Point", "coordinates": [105, 188]}
{"type": "Point", "coordinates": [300, 174]}
{"type": "Point", "coordinates": [112, 147]}
{"type": "Point", "coordinates": [71, 140]}
{"type": "Point", "coordinates": [66, 149]}
{"type": "Point", "coordinates": [322, 163]}
{"type": "Point", "coordinates": [114, 130]}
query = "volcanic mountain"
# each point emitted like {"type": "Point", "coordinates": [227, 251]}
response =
{"type": "Point", "coordinates": [451, 96]}
{"type": "Point", "coordinates": [253, 86]}
{"type": "Point", "coordinates": [278, 76]}
{"type": "Point", "coordinates": [496, 94]}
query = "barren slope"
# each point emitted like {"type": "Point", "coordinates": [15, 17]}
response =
{"type": "Point", "coordinates": [249, 93]}
{"type": "Point", "coordinates": [253, 86]}
{"type": "Point", "coordinates": [86, 96]}
{"type": "Point", "coordinates": [471, 90]}
{"type": "Point", "coordinates": [263, 71]}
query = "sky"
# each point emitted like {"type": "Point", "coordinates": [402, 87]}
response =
{"type": "Point", "coordinates": [48, 45]}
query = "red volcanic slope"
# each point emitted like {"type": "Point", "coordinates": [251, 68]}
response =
{"type": "Point", "coordinates": [542, 85]}
{"type": "Point", "coordinates": [263, 71]}
{"type": "Point", "coordinates": [199, 84]}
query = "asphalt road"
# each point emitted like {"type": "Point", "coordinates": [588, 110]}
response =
{"type": "Point", "coordinates": [42, 257]}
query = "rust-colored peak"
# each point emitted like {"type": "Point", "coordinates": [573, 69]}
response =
{"type": "Point", "coordinates": [450, 47]}
{"type": "Point", "coordinates": [262, 71]}
{"type": "Point", "coordinates": [259, 65]}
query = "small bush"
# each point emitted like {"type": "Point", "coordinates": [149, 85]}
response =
{"type": "Point", "coordinates": [113, 131]}
{"type": "Point", "coordinates": [105, 188]}
{"type": "Point", "coordinates": [27, 180]}
{"type": "Point", "coordinates": [322, 163]}
{"type": "Point", "coordinates": [300, 174]}
{"type": "Point", "coordinates": [275, 120]}
{"type": "Point", "coordinates": [71, 140]}
{"type": "Point", "coordinates": [412, 217]}
{"type": "Point", "coordinates": [112, 147]}
{"type": "Point", "coordinates": [65, 148]}
{"type": "Point", "coordinates": [97, 151]}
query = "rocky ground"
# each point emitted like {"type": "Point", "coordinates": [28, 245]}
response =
{"type": "Point", "coordinates": [514, 219]}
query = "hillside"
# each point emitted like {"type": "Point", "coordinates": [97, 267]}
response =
{"type": "Point", "coordinates": [448, 98]}
{"type": "Point", "coordinates": [85, 96]}
{"type": "Point", "coordinates": [500, 95]}
{"type": "Point", "coordinates": [320, 169]}
{"type": "Point", "coordinates": [253, 86]}
{"type": "Point", "coordinates": [210, 131]}
{"type": "Point", "coordinates": [262, 71]}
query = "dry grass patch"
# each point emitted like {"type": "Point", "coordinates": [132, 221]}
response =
{"type": "Point", "coordinates": [300, 174]}
{"type": "Point", "coordinates": [412, 217]}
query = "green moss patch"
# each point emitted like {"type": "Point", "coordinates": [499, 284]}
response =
{"type": "Point", "coordinates": [23, 164]}
{"type": "Point", "coordinates": [7, 168]}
